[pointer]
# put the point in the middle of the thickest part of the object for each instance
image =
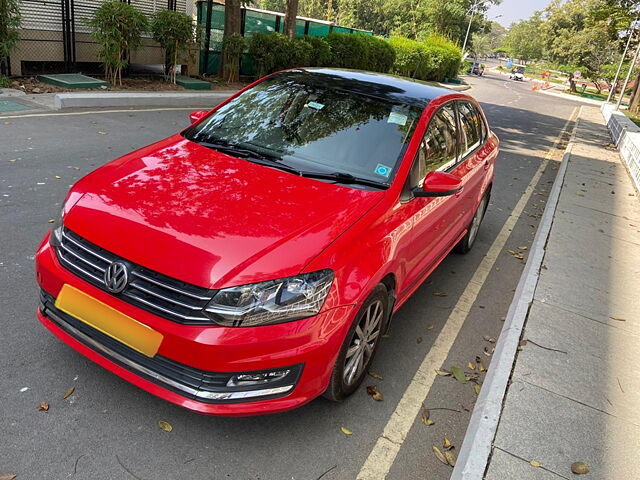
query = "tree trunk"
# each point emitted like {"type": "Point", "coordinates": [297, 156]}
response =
{"type": "Point", "coordinates": [232, 25]}
{"type": "Point", "coordinates": [290, 18]}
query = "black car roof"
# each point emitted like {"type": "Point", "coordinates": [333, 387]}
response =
{"type": "Point", "coordinates": [393, 88]}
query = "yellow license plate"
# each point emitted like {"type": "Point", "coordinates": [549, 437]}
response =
{"type": "Point", "coordinates": [109, 321]}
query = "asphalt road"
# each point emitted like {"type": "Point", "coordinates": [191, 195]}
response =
{"type": "Point", "coordinates": [107, 429]}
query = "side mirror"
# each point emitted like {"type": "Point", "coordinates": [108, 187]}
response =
{"type": "Point", "coordinates": [197, 116]}
{"type": "Point", "coordinates": [439, 184]}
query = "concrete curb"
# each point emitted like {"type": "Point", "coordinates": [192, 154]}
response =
{"type": "Point", "coordinates": [139, 99]}
{"type": "Point", "coordinates": [456, 87]}
{"type": "Point", "coordinates": [476, 448]}
{"type": "Point", "coordinates": [588, 101]}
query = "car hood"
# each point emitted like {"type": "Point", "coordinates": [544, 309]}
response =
{"type": "Point", "coordinates": [210, 219]}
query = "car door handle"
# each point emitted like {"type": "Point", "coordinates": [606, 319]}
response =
{"type": "Point", "coordinates": [459, 192]}
{"type": "Point", "coordinates": [486, 165]}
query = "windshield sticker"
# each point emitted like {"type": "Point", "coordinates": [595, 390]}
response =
{"type": "Point", "coordinates": [315, 105]}
{"type": "Point", "coordinates": [383, 170]}
{"type": "Point", "coordinates": [397, 118]}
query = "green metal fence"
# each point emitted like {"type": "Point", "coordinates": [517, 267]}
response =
{"type": "Point", "coordinates": [253, 21]}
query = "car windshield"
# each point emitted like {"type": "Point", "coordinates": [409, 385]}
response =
{"type": "Point", "coordinates": [314, 125]}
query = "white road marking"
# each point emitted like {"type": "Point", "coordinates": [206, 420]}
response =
{"type": "Point", "coordinates": [94, 112]}
{"type": "Point", "coordinates": [381, 458]}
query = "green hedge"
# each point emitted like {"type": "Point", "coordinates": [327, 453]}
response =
{"type": "Point", "coordinates": [434, 58]}
{"type": "Point", "coordinates": [363, 52]}
{"type": "Point", "coordinates": [272, 52]}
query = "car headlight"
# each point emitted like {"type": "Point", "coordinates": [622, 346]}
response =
{"type": "Point", "coordinates": [275, 301]}
{"type": "Point", "coordinates": [56, 234]}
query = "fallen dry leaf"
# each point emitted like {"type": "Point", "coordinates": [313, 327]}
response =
{"type": "Point", "coordinates": [458, 374]}
{"type": "Point", "coordinates": [346, 431]}
{"type": "Point", "coordinates": [166, 426]}
{"type": "Point", "coordinates": [375, 375]}
{"type": "Point", "coordinates": [43, 407]}
{"type": "Point", "coordinates": [472, 366]}
{"type": "Point", "coordinates": [425, 416]}
{"type": "Point", "coordinates": [618, 319]}
{"type": "Point", "coordinates": [443, 373]}
{"type": "Point", "coordinates": [580, 468]}
{"type": "Point", "coordinates": [446, 443]}
{"type": "Point", "coordinates": [69, 392]}
{"type": "Point", "coordinates": [374, 392]}
{"type": "Point", "coordinates": [489, 339]}
{"type": "Point", "coordinates": [451, 458]}
{"type": "Point", "coordinates": [430, 327]}
{"type": "Point", "coordinates": [535, 463]}
{"type": "Point", "coordinates": [522, 248]}
{"type": "Point", "coordinates": [58, 177]}
{"type": "Point", "coordinates": [7, 476]}
{"type": "Point", "coordinates": [488, 351]}
{"type": "Point", "coordinates": [13, 160]}
{"type": "Point", "coordinates": [439, 455]}
{"type": "Point", "coordinates": [439, 294]}
{"type": "Point", "coordinates": [102, 133]}
{"type": "Point", "coordinates": [476, 388]}
{"type": "Point", "coordinates": [51, 220]}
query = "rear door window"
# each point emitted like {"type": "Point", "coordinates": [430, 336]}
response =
{"type": "Point", "coordinates": [471, 131]}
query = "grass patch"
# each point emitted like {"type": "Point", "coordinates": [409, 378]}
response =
{"type": "Point", "coordinates": [632, 116]}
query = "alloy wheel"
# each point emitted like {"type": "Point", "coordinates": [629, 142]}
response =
{"type": "Point", "coordinates": [477, 219]}
{"type": "Point", "coordinates": [363, 343]}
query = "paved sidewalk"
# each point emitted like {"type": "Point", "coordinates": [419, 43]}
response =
{"type": "Point", "coordinates": [575, 389]}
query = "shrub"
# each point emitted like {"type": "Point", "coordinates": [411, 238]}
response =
{"type": "Point", "coordinates": [175, 33]}
{"type": "Point", "coordinates": [433, 58]}
{"type": "Point", "coordinates": [118, 28]}
{"type": "Point", "coordinates": [4, 82]}
{"type": "Point", "coordinates": [9, 25]}
{"type": "Point", "coordinates": [232, 47]}
{"type": "Point", "coordinates": [364, 52]}
{"type": "Point", "coordinates": [320, 51]}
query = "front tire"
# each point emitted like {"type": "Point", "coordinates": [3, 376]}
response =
{"type": "Point", "coordinates": [360, 346]}
{"type": "Point", "coordinates": [469, 239]}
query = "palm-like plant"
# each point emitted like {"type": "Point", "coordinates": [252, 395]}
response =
{"type": "Point", "coordinates": [174, 31]}
{"type": "Point", "coordinates": [118, 27]}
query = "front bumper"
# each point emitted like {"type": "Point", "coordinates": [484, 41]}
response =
{"type": "Point", "coordinates": [194, 363]}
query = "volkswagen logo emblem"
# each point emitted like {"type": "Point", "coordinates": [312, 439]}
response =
{"type": "Point", "coordinates": [116, 277]}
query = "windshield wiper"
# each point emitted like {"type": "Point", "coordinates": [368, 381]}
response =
{"type": "Point", "coordinates": [276, 162]}
{"type": "Point", "coordinates": [345, 178]}
{"type": "Point", "coordinates": [253, 156]}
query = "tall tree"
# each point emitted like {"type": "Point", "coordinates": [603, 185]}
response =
{"type": "Point", "coordinates": [524, 40]}
{"type": "Point", "coordinates": [290, 14]}
{"type": "Point", "coordinates": [232, 28]}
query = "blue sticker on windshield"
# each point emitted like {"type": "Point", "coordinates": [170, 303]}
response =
{"type": "Point", "coordinates": [383, 170]}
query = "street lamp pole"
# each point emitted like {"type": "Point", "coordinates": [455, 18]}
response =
{"type": "Point", "coordinates": [466, 37]}
{"type": "Point", "coordinates": [632, 28]}
{"type": "Point", "coordinates": [626, 81]}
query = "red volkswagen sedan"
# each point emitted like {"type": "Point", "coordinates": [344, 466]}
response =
{"type": "Point", "coordinates": [253, 261]}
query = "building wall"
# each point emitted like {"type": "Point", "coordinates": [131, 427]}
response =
{"type": "Point", "coordinates": [42, 38]}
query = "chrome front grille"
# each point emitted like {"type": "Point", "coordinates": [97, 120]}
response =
{"type": "Point", "coordinates": [164, 296]}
